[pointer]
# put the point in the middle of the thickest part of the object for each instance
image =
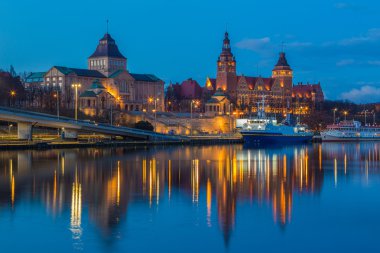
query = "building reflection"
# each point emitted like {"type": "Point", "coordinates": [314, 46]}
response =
{"type": "Point", "coordinates": [102, 184]}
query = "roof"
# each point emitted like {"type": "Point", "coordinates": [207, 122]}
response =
{"type": "Point", "coordinates": [80, 72]}
{"type": "Point", "coordinates": [282, 63]}
{"type": "Point", "coordinates": [107, 48]}
{"type": "Point", "coordinates": [35, 77]}
{"type": "Point", "coordinates": [212, 100]}
{"type": "Point", "coordinates": [88, 94]}
{"type": "Point", "coordinates": [96, 85]}
{"type": "Point", "coordinates": [306, 90]}
{"type": "Point", "coordinates": [211, 83]}
{"type": "Point", "coordinates": [145, 77]}
{"type": "Point", "coordinates": [116, 73]}
{"type": "Point", "coordinates": [251, 81]}
{"type": "Point", "coordinates": [219, 93]}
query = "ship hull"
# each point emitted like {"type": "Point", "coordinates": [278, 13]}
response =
{"type": "Point", "coordinates": [331, 138]}
{"type": "Point", "coordinates": [256, 138]}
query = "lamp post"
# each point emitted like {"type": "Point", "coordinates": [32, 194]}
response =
{"type": "Point", "coordinates": [76, 86]}
{"type": "Point", "coordinates": [155, 113]}
{"type": "Point", "coordinates": [191, 114]}
{"type": "Point", "coordinates": [365, 117]}
{"type": "Point", "coordinates": [230, 116]}
{"type": "Point", "coordinates": [13, 95]}
{"type": "Point", "coordinates": [334, 111]}
{"type": "Point", "coordinates": [56, 95]}
{"type": "Point", "coordinates": [299, 115]}
{"type": "Point", "coordinates": [144, 111]}
{"type": "Point", "coordinates": [150, 100]}
{"type": "Point", "coordinates": [345, 115]}
{"type": "Point", "coordinates": [374, 118]}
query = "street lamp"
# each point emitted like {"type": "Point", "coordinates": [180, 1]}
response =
{"type": "Point", "coordinates": [56, 95]}
{"type": "Point", "coordinates": [112, 102]}
{"type": "Point", "coordinates": [150, 101]}
{"type": "Point", "coordinates": [230, 116]}
{"type": "Point", "coordinates": [345, 115]}
{"type": "Point", "coordinates": [155, 113]}
{"type": "Point", "coordinates": [365, 117]}
{"type": "Point", "coordinates": [144, 111]}
{"type": "Point", "coordinates": [299, 115]}
{"type": "Point", "coordinates": [334, 110]}
{"type": "Point", "coordinates": [191, 114]}
{"type": "Point", "coordinates": [76, 86]}
{"type": "Point", "coordinates": [13, 94]}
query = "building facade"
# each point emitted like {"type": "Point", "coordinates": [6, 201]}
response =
{"type": "Point", "coordinates": [280, 95]}
{"type": "Point", "coordinates": [226, 78]}
{"type": "Point", "coordinates": [107, 67]}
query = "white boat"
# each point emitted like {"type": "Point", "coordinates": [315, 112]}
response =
{"type": "Point", "coordinates": [263, 129]}
{"type": "Point", "coordinates": [351, 131]}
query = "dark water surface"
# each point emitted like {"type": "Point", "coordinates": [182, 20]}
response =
{"type": "Point", "coordinates": [314, 198]}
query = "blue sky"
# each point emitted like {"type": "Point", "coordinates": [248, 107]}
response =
{"type": "Point", "coordinates": [334, 42]}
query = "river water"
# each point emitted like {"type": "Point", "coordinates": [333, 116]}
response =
{"type": "Point", "coordinates": [308, 198]}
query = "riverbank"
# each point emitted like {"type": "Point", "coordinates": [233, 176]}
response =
{"type": "Point", "coordinates": [60, 144]}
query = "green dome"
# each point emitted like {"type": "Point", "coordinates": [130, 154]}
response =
{"type": "Point", "coordinates": [219, 93]}
{"type": "Point", "coordinates": [97, 85]}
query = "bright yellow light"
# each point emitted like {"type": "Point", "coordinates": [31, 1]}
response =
{"type": "Point", "coordinates": [76, 85]}
{"type": "Point", "coordinates": [13, 93]}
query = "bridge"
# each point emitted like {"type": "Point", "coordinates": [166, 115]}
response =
{"type": "Point", "coordinates": [26, 120]}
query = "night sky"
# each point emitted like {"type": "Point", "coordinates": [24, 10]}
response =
{"type": "Point", "coordinates": [334, 42]}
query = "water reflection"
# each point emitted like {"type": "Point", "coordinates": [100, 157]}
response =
{"type": "Point", "coordinates": [100, 184]}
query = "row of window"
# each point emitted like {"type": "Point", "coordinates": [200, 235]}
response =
{"type": "Point", "coordinates": [96, 63]}
{"type": "Point", "coordinates": [102, 63]}
{"type": "Point", "coordinates": [54, 78]}
{"type": "Point", "coordinates": [53, 84]}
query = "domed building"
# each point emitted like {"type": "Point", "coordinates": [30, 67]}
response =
{"type": "Point", "coordinates": [107, 67]}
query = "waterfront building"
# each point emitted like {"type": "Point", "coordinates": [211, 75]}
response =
{"type": "Point", "coordinates": [226, 78]}
{"type": "Point", "coordinates": [219, 104]}
{"type": "Point", "coordinates": [281, 96]}
{"type": "Point", "coordinates": [179, 96]}
{"type": "Point", "coordinates": [107, 66]}
{"type": "Point", "coordinates": [96, 100]}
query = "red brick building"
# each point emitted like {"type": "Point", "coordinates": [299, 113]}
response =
{"type": "Point", "coordinates": [278, 89]}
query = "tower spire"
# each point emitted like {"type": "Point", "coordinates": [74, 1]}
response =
{"type": "Point", "coordinates": [282, 46]}
{"type": "Point", "coordinates": [107, 26]}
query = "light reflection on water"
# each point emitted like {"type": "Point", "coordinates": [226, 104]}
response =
{"type": "Point", "coordinates": [91, 192]}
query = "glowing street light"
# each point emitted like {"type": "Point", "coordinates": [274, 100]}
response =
{"type": "Point", "coordinates": [191, 113]}
{"type": "Point", "coordinates": [56, 95]}
{"type": "Point", "coordinates": [345, 115]}
{"type": "Point", "coordinates": [76, 86]}
{"type": "Point", "coordinates": [334, 110]}
{"type": "Point", "coordinates": [12, 93]}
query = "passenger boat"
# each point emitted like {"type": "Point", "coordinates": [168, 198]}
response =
{"type": "Point", "coordinates": [351, 131]}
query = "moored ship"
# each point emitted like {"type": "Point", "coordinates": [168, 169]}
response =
{"type": "Point", "coordinates": [351, 131]}
{"type": "Point", "coordinates": [263, 130]}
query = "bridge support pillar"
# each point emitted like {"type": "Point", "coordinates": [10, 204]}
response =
{"type": "Point", "coordinates": [69, 134]}
{"type": "Point", "coordinates": [24, 131]}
